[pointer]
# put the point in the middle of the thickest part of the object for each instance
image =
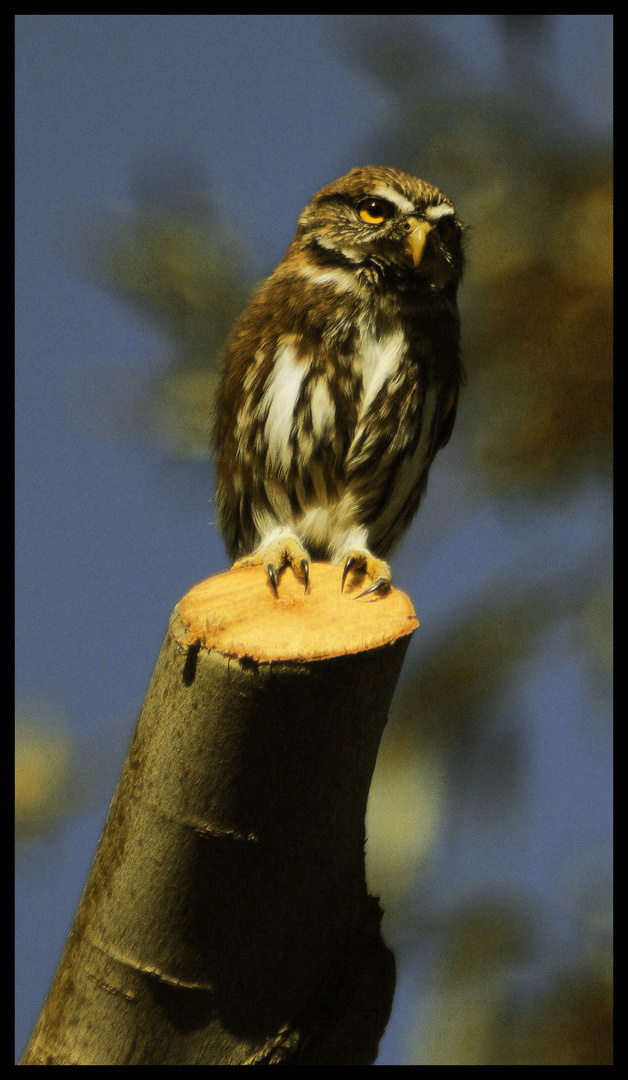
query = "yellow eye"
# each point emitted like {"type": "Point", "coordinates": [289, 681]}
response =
{"type": "Point", "coordinates": [374, 211]}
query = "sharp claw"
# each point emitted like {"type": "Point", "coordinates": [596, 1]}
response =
{"type": "Point", "coordinates": [305, 566]}
{"type": "Point", "coordinates": [272, 577]}
{"type": "Point", "coordinates": [379, 584]}
{"type": "Point", "coordinates": [351, 560]}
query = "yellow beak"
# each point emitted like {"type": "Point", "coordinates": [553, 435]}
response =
{"type": "Point", "coordinates": [417, 236]}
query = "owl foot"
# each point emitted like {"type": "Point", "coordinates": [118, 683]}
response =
{"type": "Point", "coordinates": [360, 564]}
{"type": "Point", "coordinates": [274, 556]}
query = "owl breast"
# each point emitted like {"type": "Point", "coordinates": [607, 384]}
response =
{"type": "Point", "coordinates": [338, 449]}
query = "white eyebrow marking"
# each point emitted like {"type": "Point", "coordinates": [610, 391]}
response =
{"type": "Point", "coordinates": [395, 197]}
{"type": "Point", "coordinates": [436, 212]}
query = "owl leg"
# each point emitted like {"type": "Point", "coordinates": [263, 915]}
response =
{"type": "Point", "coordinates": [277, 551]}
{"type": "Point", "coordinates": [359, 563]}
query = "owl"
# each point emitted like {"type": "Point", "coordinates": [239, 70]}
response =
{"type": "Point", "coordinates": [341, 382]}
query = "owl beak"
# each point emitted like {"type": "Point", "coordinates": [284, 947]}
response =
{"type": "Point", "coordinates": [417, 236]}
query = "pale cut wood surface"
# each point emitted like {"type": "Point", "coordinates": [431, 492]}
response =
{"type": "Point", "coordinates": [238, 614]}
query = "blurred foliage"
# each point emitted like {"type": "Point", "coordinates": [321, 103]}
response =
{"type": "Point", "coordinates": [173, 258]}
{"type": "Point", "coordinates": [46, 780]}
{"type": "Point", "coordinates": [476, 1017]}
{"type": "Point", "coordinates": [572, 1024]}
{"type": "Point", "coordinates": [534, 427]}
{"type": "Point", "coordinates": [58, 774]}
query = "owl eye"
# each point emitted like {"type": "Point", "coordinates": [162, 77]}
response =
{"type": "Point", "coordinates": [374, 211]}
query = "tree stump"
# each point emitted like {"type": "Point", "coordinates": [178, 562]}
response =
{"type": "Point", "coordinates": [226, 919]}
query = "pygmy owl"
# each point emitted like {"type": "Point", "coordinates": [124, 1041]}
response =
{"type": "Point", "coordinates": [341, 380]}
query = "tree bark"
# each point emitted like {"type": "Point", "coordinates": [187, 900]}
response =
{"type": "Point", "coordinates": [226, 919]}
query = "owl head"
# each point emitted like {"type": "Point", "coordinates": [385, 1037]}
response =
{"type": "Point", "coordinates": [387, 221]}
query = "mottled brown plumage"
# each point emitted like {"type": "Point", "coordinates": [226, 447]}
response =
{"type": "Point", "coordinates": [341, 379]}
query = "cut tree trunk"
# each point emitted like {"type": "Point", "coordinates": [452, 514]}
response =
{"type": "Point", "coordinates": [226, 919]}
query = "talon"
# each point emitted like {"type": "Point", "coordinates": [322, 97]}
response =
{"type": "Point", "coordinates": [305, 566]}
{"type": "Point", "coordinates": [272, 577]}
{"type": "Point", "coordinates": [351, 561]}
{"type": "Point", "coordinates": [277, 553]}
{"type": "Point", "coordinates": [381, 583]}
